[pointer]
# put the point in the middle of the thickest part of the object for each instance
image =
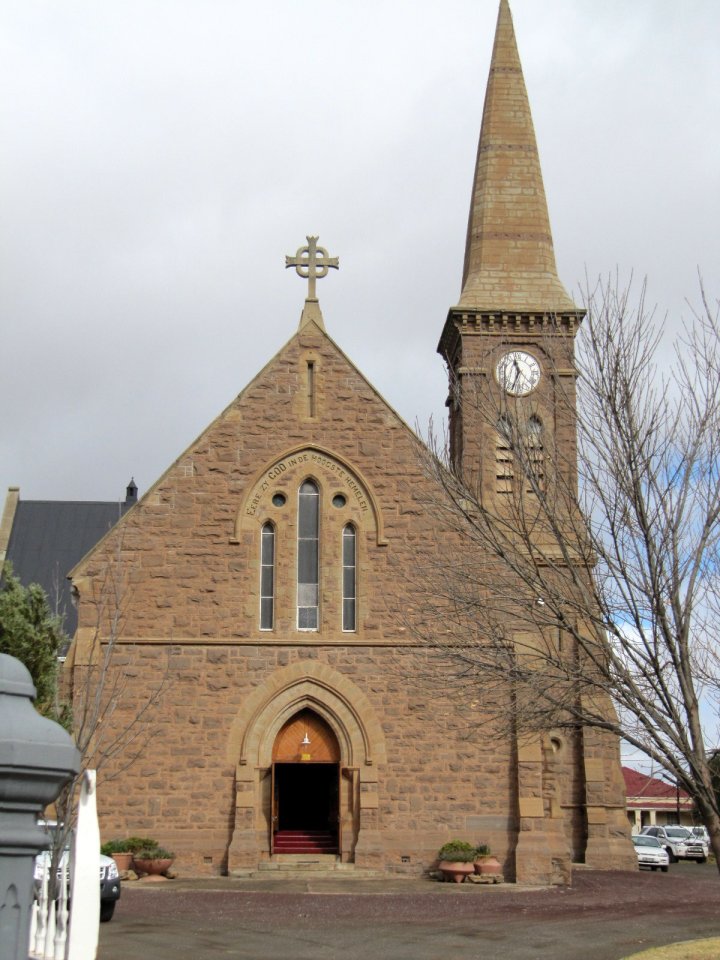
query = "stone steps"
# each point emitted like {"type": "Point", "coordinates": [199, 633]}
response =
{"type": "Point", "coordinates": [305, 842]}
{"type": "Point", "coordinates": [300, 861]}
{"type": "Point", "coordinates": [295, 866]}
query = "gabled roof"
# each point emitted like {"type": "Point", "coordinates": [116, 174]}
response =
{"type": "Point", "coordinates": [651, 793]}
{"type": "Point", "coordinates": [309, 325]}
{"type": "Point", "coordinates": [48, 537]}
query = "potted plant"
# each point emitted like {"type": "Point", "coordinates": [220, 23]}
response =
{"type": "Point", "coordinates": [133, 844]}
{"type": "Point", "coordinates": [456, 860]}
{"type": "Point", "coordinates": [120, 852]}
{"type": "Point", "coordinates": [153, 860]}
{"type": "Point", "coordinates": [486, 865]}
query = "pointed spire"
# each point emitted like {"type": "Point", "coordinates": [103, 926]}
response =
{"type": "Point", "coordinates": [509, 257]}
{"type": "Point", "coordinates": [131, 492]}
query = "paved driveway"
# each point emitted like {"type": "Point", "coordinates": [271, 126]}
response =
{"type": "Point", "coordinates": [604, 916]}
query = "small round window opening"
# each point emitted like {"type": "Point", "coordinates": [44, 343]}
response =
{"type": "Point", "coordinates": [339, 500]}
{"type": "Point", "coordinates": [279, 499]}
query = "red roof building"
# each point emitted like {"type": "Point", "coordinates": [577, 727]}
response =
{"type": "Point", "coordinates": [651, 801]}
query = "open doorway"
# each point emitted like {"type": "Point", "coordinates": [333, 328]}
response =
{"type": "Point", "coordinates": [306, 787]}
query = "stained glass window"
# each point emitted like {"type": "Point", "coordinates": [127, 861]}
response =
{"type": "Point", "coordinates": [308, 556]}
{"type": "Point", "coordinates": [267, 577]}
{"type": "Point", "coordinates": [349, 580]}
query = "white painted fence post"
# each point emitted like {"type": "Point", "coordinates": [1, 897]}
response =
{"type": "Point", "coordinates": [85, 877]}
{"type": "Point", "coordinates": [40, 915]}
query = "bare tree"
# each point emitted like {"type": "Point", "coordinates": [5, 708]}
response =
{"type": "Point", "coordinates": [110, 729]}
{"type": "Point", "coordinates": [584, 570]}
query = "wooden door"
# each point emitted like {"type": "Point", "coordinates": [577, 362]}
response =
{"type": "Point", "coordinates": [339, 809]}
{"type": "Point", "coordinates": [274, 808]}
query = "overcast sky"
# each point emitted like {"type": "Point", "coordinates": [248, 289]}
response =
{"type": "Point", "coordinates": [160, 157]}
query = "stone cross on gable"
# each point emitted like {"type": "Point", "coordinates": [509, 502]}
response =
{"type": "Point", "coordinates": [312, 263]}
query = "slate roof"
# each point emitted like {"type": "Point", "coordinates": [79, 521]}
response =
{"type": "Point", "coordinates": [49, 537]}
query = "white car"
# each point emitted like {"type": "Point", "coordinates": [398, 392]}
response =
{"type": "Point", "coordinates": [651, 853]}
{"type": "Point", "coordinates": [679, 843]}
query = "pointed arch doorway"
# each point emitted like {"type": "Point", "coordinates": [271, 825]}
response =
{"type": "Point", "coordinates": [306, 787]}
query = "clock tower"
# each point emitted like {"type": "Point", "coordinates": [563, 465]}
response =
{"type": "Point", "coordinates": [509, 347]}
{"type": "Point", "coordinates": [509, 341]}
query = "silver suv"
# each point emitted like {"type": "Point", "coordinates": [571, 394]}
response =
{"type": "Point", "coordinates": [679, 843]}
{"type": "Point", "coordinates": [701, 834]}
{"type": "Point", "coordinates": [109, 874]}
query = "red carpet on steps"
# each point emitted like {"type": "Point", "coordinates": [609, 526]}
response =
{"type": "Point", "coordinates": [304, 841]}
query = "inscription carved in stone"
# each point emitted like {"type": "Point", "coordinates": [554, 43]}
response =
{"type": "Point", "coordinates": [313, 459]}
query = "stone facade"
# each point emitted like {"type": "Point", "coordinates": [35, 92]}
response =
{"type": "Point", "coordinates": [185, 566]}
{"type": "Point", "coordinates": [188, 558]}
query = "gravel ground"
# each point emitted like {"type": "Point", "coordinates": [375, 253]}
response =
{"type": "Point", "coordinates": [603, 916]}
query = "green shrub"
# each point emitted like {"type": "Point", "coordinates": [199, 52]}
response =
{"type": "Point", "coordinates": [133, 844]}
{"type": "Point", "coordinates": [154, 853]}
{"type": "Point", "coordinates": [458, 851]}
{"type": "Point", "coordinates": [115, 846]}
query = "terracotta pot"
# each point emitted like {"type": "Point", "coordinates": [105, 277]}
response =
{"type": "Point", "coordinates": [488, 866]}
{"type": "Point", "coordinates": [152, 866]}
{"type": "Point", "coordinates": [455, 871]}
{"type": "Point", "coordinates": [123, 861]}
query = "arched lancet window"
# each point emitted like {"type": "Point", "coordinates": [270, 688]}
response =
{"type": "Point", "coordinates": [349, 577]}
{"type": "Point", "coordinates": [267, 577]}
{"type": "Point", "coordinates": [503, 457]}
{"type": "Point", "coordinates": [535, 454]}
{"type": "Point", "coordinates": [308, 568]}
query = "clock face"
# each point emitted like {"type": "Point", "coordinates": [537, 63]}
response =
{"type": "Point", "coordinates": [518, 372]}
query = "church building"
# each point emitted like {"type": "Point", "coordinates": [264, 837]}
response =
{"type": "Point", "coordinates": [263, 595]}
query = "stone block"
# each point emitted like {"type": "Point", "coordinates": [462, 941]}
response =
{"type": "Point", "coordinates": [531, 807]}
